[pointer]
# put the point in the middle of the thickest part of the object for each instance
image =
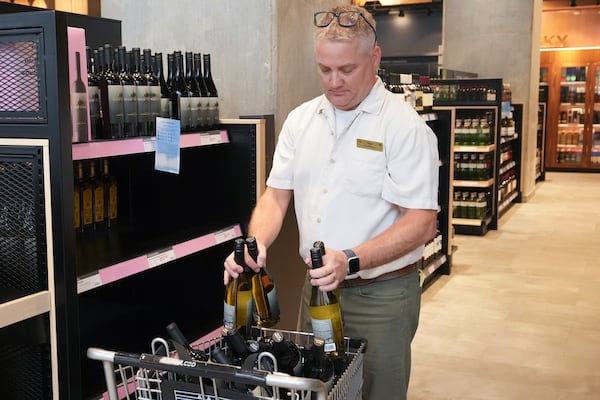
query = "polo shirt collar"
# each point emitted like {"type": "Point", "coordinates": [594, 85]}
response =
{"type": "Point", "coordinates": [372, 104]}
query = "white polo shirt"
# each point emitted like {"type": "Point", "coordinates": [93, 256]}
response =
{"type": "Point", "coordinates": [347, 181]}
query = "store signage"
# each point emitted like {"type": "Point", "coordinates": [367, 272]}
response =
{"type": "Point", "coordinates": [554, 41]}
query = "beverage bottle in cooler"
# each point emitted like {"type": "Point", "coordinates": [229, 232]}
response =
{"type": "Point", "coordinates": [130, 113]}
{"type": "Point", "coordinates": [154, 93]}
{"type": "Point", "coordinates": [98, 208]}
{"type": "Point", "coordinates": [325, 312]}
{"type": "Point", "coordinates": [110, 195]}
{"type": "Point", "coordinates": [180, 99]}
{"type": "Point", "coordinates": [238, 304]}
{"type": "Point", "coordinates": [79, 111]}
{"type": "Point", "coordinates": [264, 292]}
{"type": "Point", "coordinates": [111, 98]}
{"type": "Point", "coordinates": [202, 123]}
{"type": "Point", "coordinates": [213, 104]}
{"type": "Point", "coordinates": [93, 95]}
{"type": "Point", "coordinates": [165, 94]}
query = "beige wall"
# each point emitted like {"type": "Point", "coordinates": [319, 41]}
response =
{"type": "Point", "coordinates": [500, 39]}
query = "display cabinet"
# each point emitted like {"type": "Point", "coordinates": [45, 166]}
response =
{"type": "Point", "coordinates": [509, 157]}
{"type": "Point", "coordinates": [573, 132]}
{"type": "Point", "coordinates": [542, 117]}
{"type": "Point", "coordinates": [117, 286]}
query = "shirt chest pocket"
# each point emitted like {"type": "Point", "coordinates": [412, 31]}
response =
{"type": "Point", "coordinates": [365, 172]}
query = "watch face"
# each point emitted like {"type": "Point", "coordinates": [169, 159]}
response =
{"type": "Point", "coordinates": [353, 265]}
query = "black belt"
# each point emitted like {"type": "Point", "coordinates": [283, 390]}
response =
{"type": "Point", "coordinates": [398, 273]}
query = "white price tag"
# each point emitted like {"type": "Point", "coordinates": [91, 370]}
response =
{"type": "Point", "coordinates": [161, 257]}
{"type": "Point", "coordinates": [225, 235]}
{"type": "Point", "coordinates": [88, 283]}
{"type": "Point", "coordinates": [149, 144]}
{"type": "Point", "coordinates": [210, 138]}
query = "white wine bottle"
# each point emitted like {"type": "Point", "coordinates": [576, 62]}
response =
{"type": "Point", "coordinates": [238, 304]}
{"type": "Point", "coordinates": [325, 313]}
{"type": "Point", "coordinates": [264, 292]}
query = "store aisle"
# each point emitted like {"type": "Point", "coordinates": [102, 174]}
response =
{"type": "Point", "coordinates": [519, 317]}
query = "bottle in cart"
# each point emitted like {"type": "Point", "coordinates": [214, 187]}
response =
{"type": "Point", "coordinates": [183, 347]}
{"type": "Point", "coordinates": [325, 312]}
{"type": "Point", "coordinates": [264, 293]}
{"type": "Point", "coordinates": [317, 365]}
{"type": "Point", "coordinates": [287, 355]}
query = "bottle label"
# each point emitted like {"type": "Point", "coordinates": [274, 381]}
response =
{"type": "Point", "coordinates": [77, 209]}
{"type": "Point", "coordinates": [87, 202]}
{"type": "Point", "coordinates": [323, 328]}
{"type": "Point", "coordinates": [142, 95]}
{"type": "Point", "coordinates": [273, 303]}
{"type": "Point", "coordinates": [98, 204]}
{"type": "Point", "coordinates": [130, 103]}
{"type": "Point", "coordinates": [228, 315]}
{"type": "Point", "coordinates": [165, 107]}
{"type": "Point", "coordinates": [155, 102]}
{"type": "Point", "coordinates": [244, 314]}
{"type": "Point", "coordinates": [213, 111]}
{"type": "Point", "coordinates": [112, 202]}
{"type": "Point", "coordinates": [115, 104]}
{"type": "Point", "coordinates": [79, 114]}
{"type": "Point", "coordinates": [195, 108]}
{"type": "Point", "coordinates": [185, 111]}
{"type": "Point", "coordinates": [204, 113]}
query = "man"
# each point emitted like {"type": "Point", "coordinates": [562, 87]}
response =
{"type": "Point", "coordinates": [362, 167]}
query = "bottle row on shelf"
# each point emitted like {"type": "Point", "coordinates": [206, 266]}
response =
{"type": "Point", "coordinates": [572, 94]}
{"type": "Point", "coordinates": [471, 204]}
{"type": "Point", "coordinates": [413, 89]}
{"type": "Point", "coordinates": [569, 156]}
{"type": "Point", "coordinates": [464, 92]}
{"type": "Point", "coordinates": [473, 166]}
{"type": "Point", "coordinates": [507, 128]}
{"type": "Point", "coordinates": [477, 130]}
{"type": "Point", "coordinates": [507, 186]}
{"type": "Point", "coordinates": [571, 116]}
{"type": "Point", "coordinates": [573, 136]}
{"type": "Point", "coordinates": [506, 154]}
{"type": "Point", "coordinates": [432, 250]}
{"type": "Point", "coordinates": [94, 198]}
{"type": "Point", "coordinates": [127, 90]}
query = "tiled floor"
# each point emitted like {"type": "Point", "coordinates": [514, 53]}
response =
{"type": "Point", "coordinates": [519, 317]}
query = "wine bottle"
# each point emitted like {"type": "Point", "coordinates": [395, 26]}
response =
{"type": "Point", "coordinates": [76, 208]}
{"type": "Point", "coordinates": [236, 343]}
{"type": "Point", "coordinates": [154, 93]}
{"type": "Point", "coordinates": [110, 195]}
{"type": "Point", "coordinates": [326, 316]}
{"type": "Point", "coordinates": [180, 100]}
{"type": "Point", "coordinates": [79, 111]}
{"type": "Point", "coordinates": [86, 204]}
{"type": "Point", "coordinates": [317, 365]}
{"type": "Point", "coordinates": [213, 105]}
{"type": "Point", "coordinates": [111, 98]}
{"type": "Point", "coordinates": [202, 123]}
{"type": "Point", "coordinates": [193, 92]}
{"type": "Point", "coordinates": [98, 209]}
{"type": "Point", "coordinates": [142, 93]}
{"type": "Point", "coordinates": [130, 115]}
{"type": "Point", "coordinates": [287, 355]}
{"type": "Point", "coordinates": [237, 307]}
{"type": "Point", "coordinates": [183, 346]}
{"type": "Point", "coordinates": [264, 292]}
{"type": "Point", "coordinates": [165, 94]}
{"type": "Point", "coordinates": [93, 93]}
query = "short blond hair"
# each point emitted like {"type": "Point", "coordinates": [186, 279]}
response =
{"type": "Point", "coordinates": [361, 30]}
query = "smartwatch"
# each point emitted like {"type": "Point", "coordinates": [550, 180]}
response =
{"type": "Point", "coordinates": [353, 261]}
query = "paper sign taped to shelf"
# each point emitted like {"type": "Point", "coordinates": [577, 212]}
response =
{"type": "Point", "coordinates": [168, 145]}
{"type": "Point", "coordinates": [161, 257]}
{"type": "Point", "coordinates": [210, 138]}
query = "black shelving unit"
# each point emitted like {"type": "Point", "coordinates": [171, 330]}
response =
{"type": "Point", "coordinates": [438, 252]}
{"type": "Point", "coordinates": [542, 123]}
{"type": "Point", "coordinates": [509, 161]}
{"type": "Point", "coordinates": [469, 99]}
{"type": "Point", "coordinates": [162, 262]}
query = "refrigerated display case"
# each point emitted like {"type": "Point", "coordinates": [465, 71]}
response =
{"type": "Point", "coordinates": [573, 132]}
{"type": "Point", "coordinates": [542, 117]}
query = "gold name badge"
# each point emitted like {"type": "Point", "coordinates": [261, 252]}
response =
{"type": "Point", "coordinates": [369, 145]}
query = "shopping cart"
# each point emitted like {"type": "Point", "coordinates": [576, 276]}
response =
{"type": "Point", "coordinates": [153, 377]}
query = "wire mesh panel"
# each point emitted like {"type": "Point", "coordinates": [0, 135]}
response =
{"type": "Point", "coordinates": [22, 86]}
{"type": "Point", "coordinates": [23, 264]}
